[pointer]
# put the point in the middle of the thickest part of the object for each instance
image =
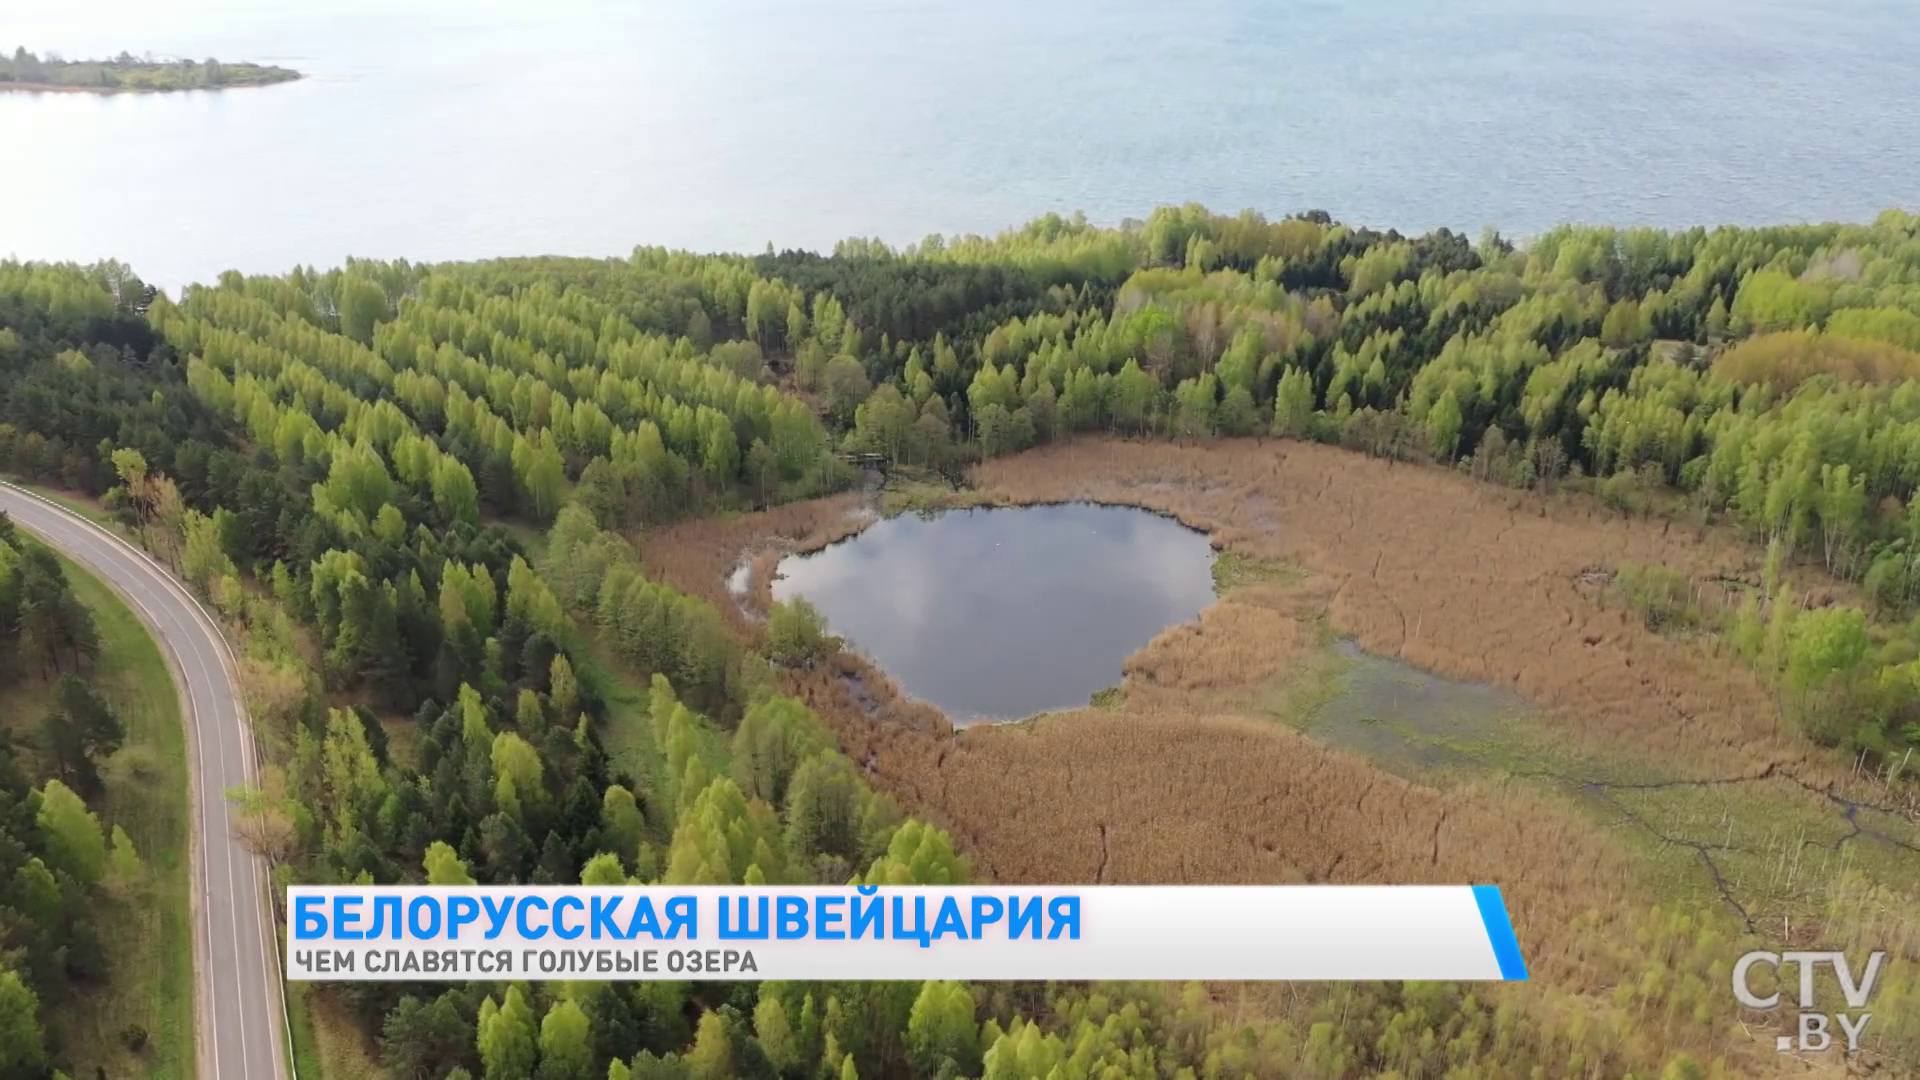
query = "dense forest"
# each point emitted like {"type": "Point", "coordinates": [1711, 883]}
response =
{"type": "Point", "coordinates": [56, 858]}
{"type": "Point", "coordinates": [413, 491]}
{"type": "Point", "coordinates": [126, 72]}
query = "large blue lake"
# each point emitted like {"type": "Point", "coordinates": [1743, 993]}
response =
{"type": "Point", "coordinates": [440, 129]}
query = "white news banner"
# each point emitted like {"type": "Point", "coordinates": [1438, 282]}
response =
{"type": "Point", "coordinates": [1146, 932]}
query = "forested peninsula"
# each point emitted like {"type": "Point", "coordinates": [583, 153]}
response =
{"type": "Point", "coordinates": [130, 74]}
{"type": "Point", "coordinates": [470, 527]}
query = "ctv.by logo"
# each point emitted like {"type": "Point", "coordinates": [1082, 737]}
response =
{"type": "Point", "coordinates": [1814, 1035]}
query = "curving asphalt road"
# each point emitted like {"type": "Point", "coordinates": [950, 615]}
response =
{"type": "Point", "coordinates": [240, 1010]}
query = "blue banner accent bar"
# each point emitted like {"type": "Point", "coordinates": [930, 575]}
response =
{"type": "Point", "coordinates": [1506, 947]}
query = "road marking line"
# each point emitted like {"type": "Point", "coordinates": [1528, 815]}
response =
{"type": "Point", "coordinates": [233, 903]}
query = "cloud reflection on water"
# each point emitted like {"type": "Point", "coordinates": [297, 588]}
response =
{"type": "Point", "coordinates": [1003, 613]}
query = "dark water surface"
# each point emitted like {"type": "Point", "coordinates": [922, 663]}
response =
{"type": "Point", "coordinates": [455, 129]}
{"type": "Point", "coordinates": [1003, 613]}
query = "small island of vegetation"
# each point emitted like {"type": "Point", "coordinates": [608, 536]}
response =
{"type": "Point", "coordinates": [129, 73]}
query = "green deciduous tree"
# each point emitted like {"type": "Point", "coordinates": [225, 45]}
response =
{"type": "Point", "coordinates": [1293, 404]}
{"type": "Point", "coordinates": [824, 808]}
{"type": "Point", "coordinates": [566, 1043]}
{"type": "Point", "coordinates": [797, 633]}
{"type": "Point", "coordinates": [846, 385]}
{"type": "Point", "coordinates": [75, 842]}
{"type": "Point", "coordinates": [1443, 427]}
{"type": "Point", "coordinates": [444, 866]}
{"type": "Point", "coordinates": [521, 783]}
{"type": "Point", "coordinates": [362, 304]}
{"type": "Point", "coordinates": [621, 823]}
{"type": "Point", "coordinates": [124, 867]}
{"type": "Point", "coordinates": [506, 1038]}
{"type": "Point", "coordinates": [711, 1057]}
{"type": "Point", "coordinates": [603, 869]}
{"type": "Point", "coordinates": [775, 1034]}
{"type": "Point", "coordinates": [22, 1042]}
{"type": "Point", "coordinates": [919, 854]}
{"type": "Point", "coordinates": [940, 1031]}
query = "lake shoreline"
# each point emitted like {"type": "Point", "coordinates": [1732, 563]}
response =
{"type": "Point", "coordinates": [110, 91]}
{"type": "Point", "coordinates": [758, 558]}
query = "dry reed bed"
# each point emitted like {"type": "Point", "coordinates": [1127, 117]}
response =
{"type": "Point", "coordinates": [1172, 787]}
{"type": "Point", "coordinates": [1148, 797]}
{"type": "Point", "coordinates": [1246, 638]}
{"type": "Point", "coordinates": [697, 556]}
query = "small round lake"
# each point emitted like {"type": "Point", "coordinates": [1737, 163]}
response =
{"type": "Point", "coordinates": [1002, 613]}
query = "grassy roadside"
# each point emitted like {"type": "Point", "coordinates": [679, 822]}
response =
{"type": "Point", "coordinates": [326, 1042]}
{"type": "Point", "coordinates": [306, 1045]}
{"type": "Point", "coordinates": [149, 934]}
